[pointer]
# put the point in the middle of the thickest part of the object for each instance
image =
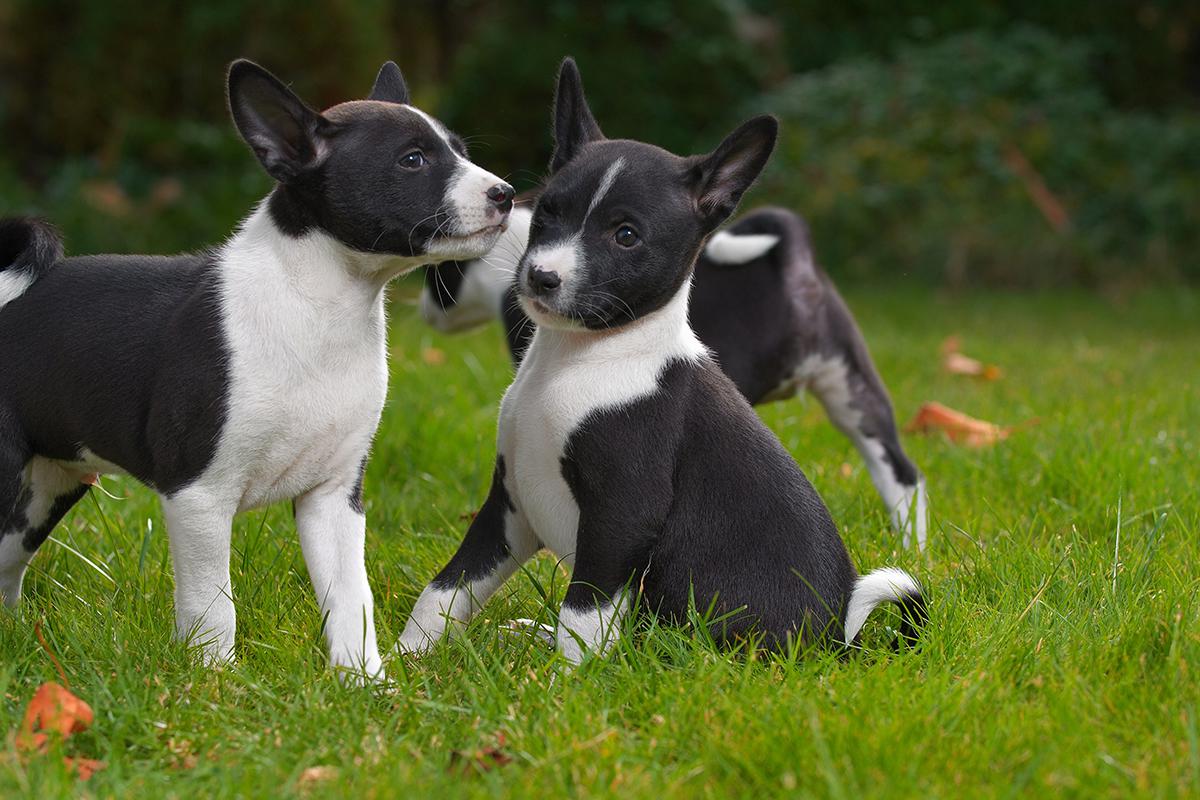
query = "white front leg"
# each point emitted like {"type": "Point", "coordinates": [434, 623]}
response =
{"type": "Point", "coordinates": [199, 527]}
{"type": "Point", "coordinates": [332, 536]}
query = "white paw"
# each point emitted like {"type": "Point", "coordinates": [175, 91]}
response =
{"type": "Point", "coordinates": [527, 627]}
{"type": "Point", "coordinates": [366, 673]}
{"type": "Point", "coordinates": [415, 643]}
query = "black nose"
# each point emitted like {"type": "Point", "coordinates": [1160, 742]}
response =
{"type": "Point", "coordinates": [502, 195]}
{"type": "Point", "coordinates": [543, 281]}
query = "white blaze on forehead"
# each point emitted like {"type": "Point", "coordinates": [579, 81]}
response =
{"type": "Point", "coordinates": [565, 256]}
{"type": "Point", "coordinates": [606, 182]}
{"type": "Point", "coordinates": [438, 127]}
{"type": "Point", "coordinates": [466, 192]}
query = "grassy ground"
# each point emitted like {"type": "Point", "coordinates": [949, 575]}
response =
{"type": "Point", "coordinates": [1064, 571]}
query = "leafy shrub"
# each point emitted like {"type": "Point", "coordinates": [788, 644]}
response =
{"type": "Point", "coordinates": [664, 72]}
{"type": "Point", "coordinates": [949, 163]}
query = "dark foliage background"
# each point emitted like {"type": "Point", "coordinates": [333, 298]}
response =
{"type": "Point", "coordinates": [1003, 142]}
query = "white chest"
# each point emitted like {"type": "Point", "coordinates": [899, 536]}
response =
{"type": "Point", "coordinates": [307, 368]}
{"type": "Point", "coordinates": [535, 425]}
{"type": "Point", "coordinates": [293, 425]}
{"type": "Point", "coordinates": [564, 379]}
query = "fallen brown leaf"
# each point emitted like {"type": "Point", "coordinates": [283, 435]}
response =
{"type": "Point", "coordinates": [958, 427]}
{"type": "Point", "coordinates": [84, 768]}
{"type": "Point", "coordinates": [321, 772]}
{"type": "Point", "coordinates": [467, 762]}
{"type": "Point", "coordinates": [954, 362]}
{"type": "Point", "coordinates": [53, 710]}
{"type": "Point", "coordinates": [433, 356]}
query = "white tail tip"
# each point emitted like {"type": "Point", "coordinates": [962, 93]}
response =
{"type": "Point", "coordinates": [730, 248]}
{"type": "Point", "coordinates": [886, 585]}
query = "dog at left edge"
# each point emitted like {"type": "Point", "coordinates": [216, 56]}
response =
{"type": "Point", "coordinates": [247, 374]}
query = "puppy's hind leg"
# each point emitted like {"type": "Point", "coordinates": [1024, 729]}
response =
{"type": "Point", "coordinates": [35, 493]}
{"type": "Point", "coordinates": [199, 526]}
{"type": "Point", "coordinates": [854, 397]}
{"type": "Point", "coordinates": [14, 498]}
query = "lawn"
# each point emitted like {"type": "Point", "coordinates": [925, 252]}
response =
{"type": "Point", "coordinates": [1063, 572]}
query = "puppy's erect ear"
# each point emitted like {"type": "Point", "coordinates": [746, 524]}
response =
{"type": "Point", "coordinates": [389, 85]}
{"type": "Point", "coordinates": [720, 178]}
{"type": "Point", "coordinates": [284, 133]}
{"type": "Point", "coordinates": [574, 125]}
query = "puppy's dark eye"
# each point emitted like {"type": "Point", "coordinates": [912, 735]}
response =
{"type": "Point", "coordinates": [627, 236]}
{"type": "Point", "coordinates": [413, 160]}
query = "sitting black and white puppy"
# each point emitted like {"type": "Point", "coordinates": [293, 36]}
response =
{"type": "Point", "coordinates": [771, 316]}
{"type": "Point", "coordinates": [248, 374]}
{"type": "Point", "coordinates": [622, 446]}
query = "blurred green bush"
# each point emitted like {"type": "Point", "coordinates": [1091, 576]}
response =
{"type": "Point", "coordinates": [666, 72]}
{"type": "Point", "coordinates": [930, 140]}
{"type": "Point", "coordinates": [986, 158]}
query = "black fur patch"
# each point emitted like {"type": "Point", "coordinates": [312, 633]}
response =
{"type": "Point", "coordinates": [124, 356]}
{"type": "Point", "coordinates": [356, 492]}
{"type": "Point", "coordinates": [359, 193]}
{"type": "Point", "coordinates": [485, 545]}
{"type": "Point", "coordinates": [748, 534]}
{"type": "Point", "coordinates": [443, 281]}
{"type": "Point", "coordinates": [61, 505]}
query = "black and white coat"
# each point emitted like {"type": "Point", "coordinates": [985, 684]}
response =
{"type": "Point", "coordinates": [245, 375]}
{"type": "Point", "coordinates": [622, 447]}
{"type": "Point", "coordinates": [770, 315]}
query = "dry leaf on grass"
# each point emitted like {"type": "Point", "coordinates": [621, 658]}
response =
{"type": "Point", "coordinates": [433, 356]}
{"type": "Point", "coordinates": [954, 362]}
{"type": "Point", "coordinates": [53, 710]}
{"type": "Point", "coordinates": [466, 762]}
{"type": "Point", "coordinates": [84, 768]}
{"type": "Point", "coordinates": [958, 427]}
{"type": "Point", "coordinates": [322, 772]}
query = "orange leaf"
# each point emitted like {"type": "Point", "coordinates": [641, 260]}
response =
{"type": "Point", "coordinates": [433, 356]}
{"type": "Point", "coordinates": [83, 767]}
{"type": "Point", "coordinates": [957, 426]}
{"type": "Point", "coordinates": [954, 362]}
{"type": "Point", "coordinates": [53, 709]}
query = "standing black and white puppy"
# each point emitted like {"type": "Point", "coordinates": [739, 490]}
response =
{"type": "Point", "coordinates": [622, 446]}
{"type": "Point", "coordinates": [249, 374]}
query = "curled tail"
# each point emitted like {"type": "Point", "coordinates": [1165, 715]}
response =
{"type": "Point", "coordinates": [887, 585]}
{"type": "Point", "coordinates": [758, 233]}
{"type": "Point", "coordinates": [28, 247]}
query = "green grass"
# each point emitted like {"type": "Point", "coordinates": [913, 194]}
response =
{"type": "Point", "coordinates": [1057, 661]}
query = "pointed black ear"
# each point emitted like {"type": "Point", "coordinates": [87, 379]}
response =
{"type": "Point", "coordinates": [720, 178]}
{"type": "Point", "coordinates": [389, 85]}
{"type": "Point", "coordinates": [284, 133]}
{"type": "Point", "coordinates": [574, 125]}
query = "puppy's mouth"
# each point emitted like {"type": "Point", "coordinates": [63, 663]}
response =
{"type": "Point", "coordinates": [489, 230]}
{"type": "Point", "coordinates": [474, 244]}
{"type": "Point", "coordinates": [543, 314]}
